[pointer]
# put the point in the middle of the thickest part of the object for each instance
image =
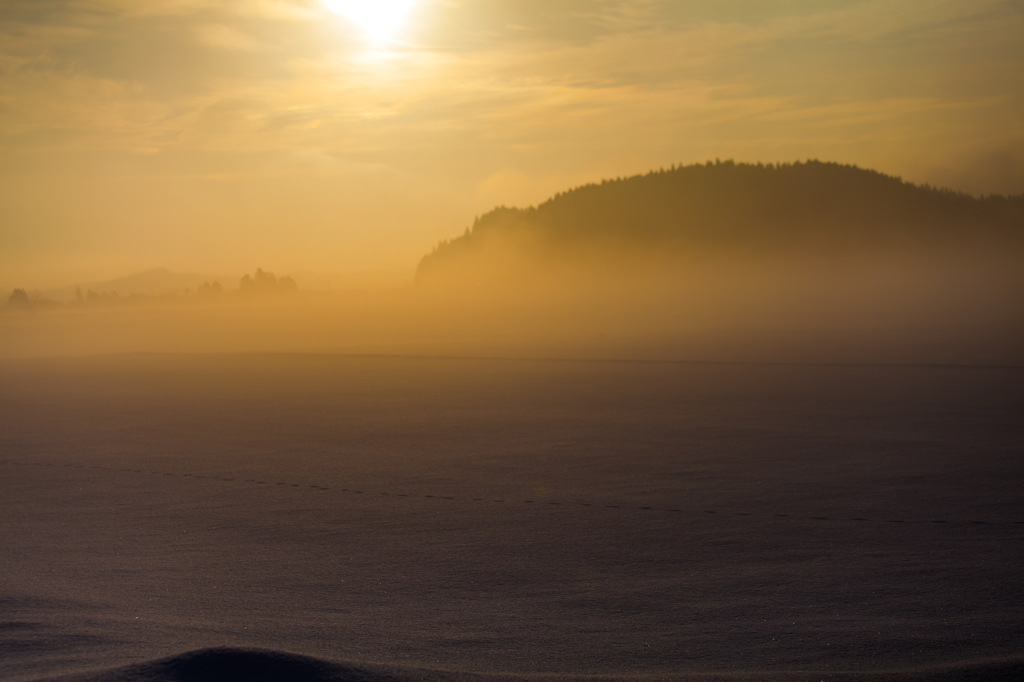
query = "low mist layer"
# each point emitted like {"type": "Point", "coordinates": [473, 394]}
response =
{"type": "Point", "coordinates": [964, 312]}
{"type": "Point", "coordinates": [726, 262]}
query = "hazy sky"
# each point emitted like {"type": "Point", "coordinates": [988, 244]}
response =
{"type": "Point", "coordinates": [221, 135]}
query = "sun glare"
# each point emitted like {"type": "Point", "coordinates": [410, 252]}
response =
{"type": "Point", "coordinates": [379, 19]}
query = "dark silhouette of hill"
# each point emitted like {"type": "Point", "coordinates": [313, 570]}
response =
{"type": "Point", "coordinates": [812, 206]}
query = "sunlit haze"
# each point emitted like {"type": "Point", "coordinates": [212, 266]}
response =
{"type": "Point", "coordinates": [511, 340]}
{"type": "Point", "coordinates": [306, 136]}
{"type": "Point", "coordinates": [380, 18]}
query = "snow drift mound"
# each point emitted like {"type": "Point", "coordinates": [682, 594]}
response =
{"type": "Point", "coordinates": [255, 665]}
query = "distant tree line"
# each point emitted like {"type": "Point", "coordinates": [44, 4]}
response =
{"type": "Point", "coordinates": [264, 283]}
{"type": "Point", "coordinates": [20, 300]}
{"type": "Point", "coordinates": [260, 284]}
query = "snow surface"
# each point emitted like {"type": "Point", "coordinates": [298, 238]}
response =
{"type": "Point", "coordinates": [326, 517]}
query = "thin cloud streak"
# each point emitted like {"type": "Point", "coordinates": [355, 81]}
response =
{"type": "Point", "coordinates": [553, 75]}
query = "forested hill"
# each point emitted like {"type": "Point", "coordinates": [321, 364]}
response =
{"type": "Point", "coordinates": [810, 205]}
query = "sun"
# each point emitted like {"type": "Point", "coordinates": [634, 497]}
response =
{"type": "Point", "coordinates": [379, 19]}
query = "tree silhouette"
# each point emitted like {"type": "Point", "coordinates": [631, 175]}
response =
{"type": "Point", "coordinates": [265, 283]}
{"type": "Point", "coordinates": [18, 299]}
{"type": "Point", "coordinates": [208, 289]}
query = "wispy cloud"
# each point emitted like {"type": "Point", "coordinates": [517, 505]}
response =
{"type": "Point", "coordinates": [148, 8]}
{"type": "Point", "coordinates": [640, 71]}
{"type": "Point", "coordinates": [227, 38]}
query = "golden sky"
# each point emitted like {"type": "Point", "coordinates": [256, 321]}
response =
{"type": "Point", "coordinates": [216, 136]}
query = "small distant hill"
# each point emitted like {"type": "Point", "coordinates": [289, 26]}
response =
{"type": "Point", "coordinates": [725, 206]}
